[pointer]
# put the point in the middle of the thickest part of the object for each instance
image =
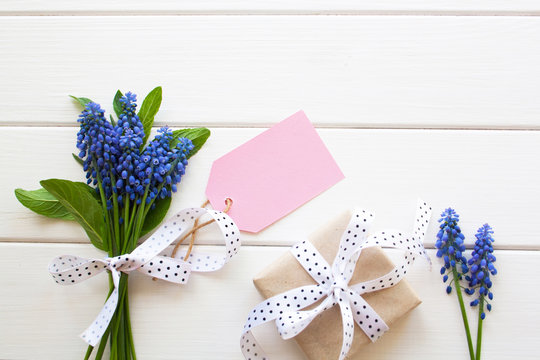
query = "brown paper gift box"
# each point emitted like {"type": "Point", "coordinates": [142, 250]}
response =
{"type": "Point", "coordinates": [322, 339]}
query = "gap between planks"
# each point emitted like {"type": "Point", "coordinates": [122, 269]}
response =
{"type": "Point", "coordinates": [273, 13]}
{"type": "Point", "coordinates": [21, 241]}
{"type": "Point", "coordinates": [157, 125]}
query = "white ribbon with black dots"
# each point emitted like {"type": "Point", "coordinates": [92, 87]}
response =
{"type": "Point", "coordinates": [69, 269]}
{"type": "Point", "coordinates": [333, 284]}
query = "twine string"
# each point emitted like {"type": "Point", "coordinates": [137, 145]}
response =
{"type": "Point", "coordinates": [193, 231]}
{"type": "Point", "coordinates": [196, 227]}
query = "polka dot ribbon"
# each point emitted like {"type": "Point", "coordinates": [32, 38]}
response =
{"type": "Point", "coordinates": [333, 284]}
{"type": "Point", "coordinates": [69, 269]}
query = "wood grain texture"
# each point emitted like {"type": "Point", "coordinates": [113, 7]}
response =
{"type": "Point", "coordinates": [488, 176]}
{"type": "Point", "coordinates": [344, 71]}
{"type": "Point", "coordinates": [41, 319]}
{"type": "Point", "coordinates": [380, 83]}
{"type": "Point", "coordinates": [102, 7]}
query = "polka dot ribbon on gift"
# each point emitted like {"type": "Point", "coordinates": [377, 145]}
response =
{"type": "Point", "coordinates": [333, 284]}
{"type": "Point", "coordinates": [69, 269]}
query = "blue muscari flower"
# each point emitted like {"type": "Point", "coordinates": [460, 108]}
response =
{"type": "Point", "coordinates": [98, 145]}
{"type": "Point", "coordinates": [128, 118]}
{"type": "Point", "coordinates": [161, 167]}
{"type": "Point", "coordinates": [481, 266]}
{"type": "Point", "coordinates": [450, 245]}
{"type": "Point", "coordinates": [113, 155]}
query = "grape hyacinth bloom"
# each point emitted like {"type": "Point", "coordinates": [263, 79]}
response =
{"type": "Point", "coordinates": [162, 166]}
{"type": "Point", "coordinates": [450, 247]}
{"type": "Point", "coordinates": [116, 163]}
{"type": "Point", "coordinates": [128, 119]}
{"type": "Point", "coordinates": [481, 266]}
{"type": "Point", "coordinates": [97, 142]}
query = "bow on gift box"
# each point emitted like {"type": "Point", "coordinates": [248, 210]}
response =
{"type": "Point", "coordinates": [68, 269]}
{"type": "Point", "coordinates": [333, 284]}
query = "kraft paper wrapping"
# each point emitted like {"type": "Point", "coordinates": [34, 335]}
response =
{"type": "Point", "coordinates": [322, 339]}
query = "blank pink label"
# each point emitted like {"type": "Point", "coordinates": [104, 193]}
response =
{"type": "Point", "coordinates": [273, 174]}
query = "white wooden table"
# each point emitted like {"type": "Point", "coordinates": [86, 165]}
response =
{"type": "Point", "coordinates": [383, 81]}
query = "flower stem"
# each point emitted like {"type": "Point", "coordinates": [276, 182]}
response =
{"type": "Point", "coordinates": [126, 218]}
{"type": "Point", "coordinates": [102, 344]}
{"type": "Point", "coordinates": [463, 313]}
{"type": "Point", "coordinates": [128, 327]}
{"type": "Point", "coordinates": [110, 234]}
{"type": "Point", "coordinates": [479, 333]}
{"type": "Point", "coordinates": [88, 352]}
{"type": "Point", "coordinates": [117, 332]}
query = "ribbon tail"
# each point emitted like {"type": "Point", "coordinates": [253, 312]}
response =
{"type": "Point", "coordinates": [348, 326]}
{"type": "Point", "coordinates": [93, 334]}
{"type": "Point", "coordinates": [250, 348]}
{"type": "Point", "coordinates": [95, 331]}
{"type": "Point", "coordinates": [366, 317]}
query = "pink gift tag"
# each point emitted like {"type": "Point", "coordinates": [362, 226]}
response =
{"type": "Point", "coordinates": [272, 174]}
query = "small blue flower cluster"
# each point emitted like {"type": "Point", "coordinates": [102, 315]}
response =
{"type": "Point", "coordinates": [450, 245]}
{"type": "Point", "coordinates": [98, 145]}
{"type": "Point", "coordinates": [481, 266]}
{"type": "Point", "coordinates": [168, 164]}
{"type": "Point", "coordinates": [128, 121]}
{"type": "Point", "coordinates": [113, 158]}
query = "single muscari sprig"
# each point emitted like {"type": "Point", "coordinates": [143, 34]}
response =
{"type": "Point", "coordinates": [127, 185]}
{"type": "Point", "coordinates": [98, 143]}
{"type": "Point", "coordinates": [481, 266]}
{"type": "Point", "coordinates": [167, 164]}
{"type": "Point", "coordinates": [128, 119]}
{"type": "Point", "coordinates": [450, 245]}
{"type": "Point", "coordinates": [131, 132]}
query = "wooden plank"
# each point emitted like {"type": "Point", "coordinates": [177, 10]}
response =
{"type": "Point", "coordinates": [122, 7]}
{"type": "Point", "coordinates": [203, 319]}
{"type": "Point", "coordinates": [353, 71]}
{"type": "Point", "coordinates": [488, 176]}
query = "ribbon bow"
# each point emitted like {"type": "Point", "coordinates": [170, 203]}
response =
{"type": "Point", "coordinates": [69, 269]}
{"type": "Point", "coordinates": [333, 284]}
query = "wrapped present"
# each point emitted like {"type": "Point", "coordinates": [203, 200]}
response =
{"type": "Point", "coordinates": [341, 264]}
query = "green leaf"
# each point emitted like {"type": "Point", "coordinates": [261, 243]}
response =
{"type": "Point", "coordinates": [198, 137]}
{"type": "Point", "coordinates": [82, 205]}
{"type": "Point", "coordinates": [78, 159]}
{"type": "Point", "coordinates": [81, 100]}
{"type": "Point", "coordinates": [116, 103]}
{"type": "Point", "coordinates": [85, 187]}
{"type": "Point", "coordinates": [148, 111]}
{"type": "Point", "coordinates": [113, 123]}
{"type": "Point", "coordinates": [42, 202]}
{"type": "Point", "coordinates": [156, 215]}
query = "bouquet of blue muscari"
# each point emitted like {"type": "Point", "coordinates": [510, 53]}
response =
{"type": "Point", "coordinates": [475, 271]}
{"type": "Point", "coordinates": [127, 192]}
